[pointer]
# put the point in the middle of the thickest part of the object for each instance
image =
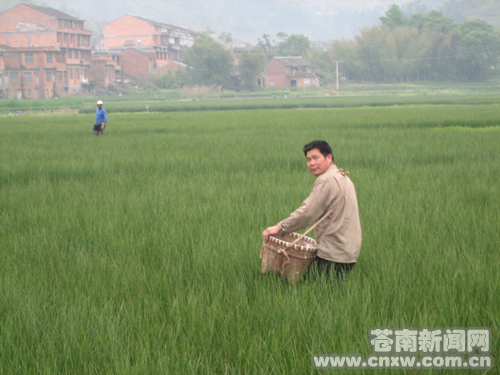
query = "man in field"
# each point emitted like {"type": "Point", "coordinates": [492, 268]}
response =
{"type": "Point", "coordinates": [101, 118]}
{"type": "Point", "coordinates": [333, 198]}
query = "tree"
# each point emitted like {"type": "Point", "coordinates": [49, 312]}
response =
{"type": "Point", "coordinates": [294, 45]}
{"type": "Point", "coordinates": [394, 17]}
{"type": "Point", "coordinates": [479, 50]}
{"type": "Point", "coordinates": [211, 64]}
{"type": "Point", "coordinates": [432, 20]}
{"type": "Point", "coordinates": [250, 65]}
{"type": "Point", "coordinates": [225, 37]}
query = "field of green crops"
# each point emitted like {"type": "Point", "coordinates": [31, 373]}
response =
{"type": "Point", "coordinates": [138, 252]}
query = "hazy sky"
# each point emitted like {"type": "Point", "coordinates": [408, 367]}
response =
{"type": "Point", "coordinates": [244, 19]}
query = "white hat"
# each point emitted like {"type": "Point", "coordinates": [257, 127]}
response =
{"type": "Point", "coordinates": [99, 102]}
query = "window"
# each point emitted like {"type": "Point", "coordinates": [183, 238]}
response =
{"type": "Point", "coordinates": [70, 73]}
{"type": "Point", "coordinates": [70, 54]}
{"type": "Point", "coordinates": [48, 77]}
{"type": "Point", "coordinates": [49, 57]}
{"type": "Point", "coordinates": [14, 77]}
{"type": "Point", "coordinates": [77, 75]}
{"type": "Point", "coordinates": [28, 58]}
{"type": "Point", "coordinates": [59, 76]}
{"type": "Point", "coordinates": [26, 77]}
{"type": "Point", "coordinates": [29, 91]}
{"type": "Point", "coordinates": [60, 58]}
{"type": "Point", "coordinates": [76, 54]}
{"type": "Point", "coordinates": [59, 38]}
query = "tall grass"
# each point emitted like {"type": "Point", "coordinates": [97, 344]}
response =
{"type": "Point", "coordinates": [137, 252]}
{"type": "Point", "coordinates": [289, 103]}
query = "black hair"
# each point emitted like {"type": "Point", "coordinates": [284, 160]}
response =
{"type": "Point", "coordinates": [322, 146]}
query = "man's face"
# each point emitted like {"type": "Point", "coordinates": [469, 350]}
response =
{"type": "Point", "coordinates": [99, 106]}
{"type": "Point", "coordinates": [317, 163]}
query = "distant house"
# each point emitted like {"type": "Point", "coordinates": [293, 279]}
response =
{"type": "Point", "coordinates": [172, 66]}
{"type": "Point", "coordinates": [290, 72]}
{"type": "Point", "coordinates": [236, 46]}
{"type": "Point", "coordinates": [137, 65]}
{"type": "Point", "coordinates": [167, 41]}
{"type": "Point", "coordinates": [45, 52]}
{"type": "Point", "coordinates": [142, 47]}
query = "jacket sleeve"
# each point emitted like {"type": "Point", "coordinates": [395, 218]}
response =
{"type": "Point", "coordinates": [310, 211]}
{"type": "Point", "coordinates": [105, 116]}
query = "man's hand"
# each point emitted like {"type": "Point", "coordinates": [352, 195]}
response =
{"type": "Point", "coordinates": [271, 231]}
{"type": "Point", "coordinates": [103, 125]}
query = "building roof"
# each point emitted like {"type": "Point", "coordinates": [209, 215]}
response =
{"type": "Point", "coordinates": [52, 12]}
{"type": "Point", "coordinates": [30, 49]}
{"type": "Point", "coordinates": [156, 23]}
{"type": "Point", "coordinates": [142, 52]}
{"type": "Point", "coordinates": [31, 27]}
{"type": "Point", "coordinates": [293, 61]}
{"type": "Point", "coordinates": [240, 45]}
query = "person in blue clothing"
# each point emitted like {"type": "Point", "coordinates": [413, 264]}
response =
{"type": "Point", "coordinates": [101, 118]}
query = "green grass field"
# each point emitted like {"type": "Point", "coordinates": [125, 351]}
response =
{"type": "Point", "coordinates": [138, 252]}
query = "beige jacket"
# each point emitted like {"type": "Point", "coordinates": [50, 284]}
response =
{"type": "Point", "coordinates": [339, 238]}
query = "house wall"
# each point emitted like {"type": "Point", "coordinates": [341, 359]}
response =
{"type": "Point", "coordinates": [67, 34]}
{"type": "Point", "coordinates": [25, 14]}
{"type": "Point", "coordinates": [136, 64]}
{"type": "Point", "coordinates": [102, 72]}
{"type": "Point", "coordinates": [24, 79]}
{"type": "Point", "coordinates": [52, 71]}
{"type": "Point", "coordinates": [128, 28]}
{"type": "Point", "coordinates": [170, 67]}
{"type": "Point", "coordinates": [275, 74]}
{"type": "Point", "coordinates": [279, 75]}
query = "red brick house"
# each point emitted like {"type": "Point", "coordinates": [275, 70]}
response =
{"type": "Point", "coordinates": [167, 41]}
{"type": "Point", "coordinates": [145, 47]}
{"type": "Point", "coordinates": [51, 46]}
{"type": "Point", "coordinates": [26, 74]}
{"type": "Point", "coordinates": [290, 72]}
{"type": "Point", "coordinates": [172, 66]}
{"type": "Point", "coordinates": [137, 65]}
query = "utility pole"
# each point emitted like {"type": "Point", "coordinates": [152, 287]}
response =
{"type": "Point", "coordinates": [337, 67]}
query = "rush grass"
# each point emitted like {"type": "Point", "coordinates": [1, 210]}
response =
{"type": "Point", "coordinates": [137, 252]}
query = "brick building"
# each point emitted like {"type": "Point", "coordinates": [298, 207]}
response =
{"type": "Point", "coordinates": [172, 66]}
{"type": "Point", "coordinates": [51, 46]}
{"type": "Point", "coordinates": [167, 41]}
{"type": "Point", "coordinates": [290, 72]}
{"type": "Point", "coordinates": [145, 47]}
{"type": "Point", "coordinates": [25, 72]}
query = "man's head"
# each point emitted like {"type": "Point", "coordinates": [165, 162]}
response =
{"type": "Point", "coordinates": [99, 103]}
{"type": "Point", "coordinates": [319, 157]}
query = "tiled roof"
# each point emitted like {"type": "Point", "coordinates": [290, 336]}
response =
{"type": "Point", "coordinates": [293, 61]}
{"type": "Point", "coordinates": [34, 27]}
{"type": "Point", "coordinates": [52, 12]}
{"type": "Point", "coordinates": [155, 23]}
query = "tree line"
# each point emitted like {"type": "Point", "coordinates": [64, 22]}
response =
{"type": "Point", "coordinates": [420, 47]}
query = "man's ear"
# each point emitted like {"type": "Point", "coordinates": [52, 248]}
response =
{"type": "Point", "coordinates": [329, 157]}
